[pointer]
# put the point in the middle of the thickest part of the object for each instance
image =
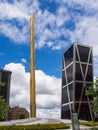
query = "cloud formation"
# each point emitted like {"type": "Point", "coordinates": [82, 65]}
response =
{"type": "Point", "coordinates": [14, 21]}
{"type": "Point", "coordinates": [72, 21]}
{"type": "Point", "coordinates": [48, 91]}
{"type": "Point", "coordinates": [23, 60]}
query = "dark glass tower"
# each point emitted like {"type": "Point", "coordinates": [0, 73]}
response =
{"type": "Point", "coordinates": [5, 77]}
{"type": "Point", "coordinates": [77, 75]}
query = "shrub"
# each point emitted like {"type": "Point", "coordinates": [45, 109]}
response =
{"type": "Point", "coordinates": [36, 127]}
{"type": "Point", "coordinates": [94, 128]}
{"type": "Point", "coordinates": [89, 123]}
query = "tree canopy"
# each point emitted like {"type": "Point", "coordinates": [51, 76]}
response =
{"type": "Point", "coordinates": [4, 108]}
{"type": "Point", "coordinates": [93, 91]}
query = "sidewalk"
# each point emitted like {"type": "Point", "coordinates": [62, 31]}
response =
{"type": "Point", "coordinates": [30, 121]}
{"type": "Point", "coordinates": [82, 127]}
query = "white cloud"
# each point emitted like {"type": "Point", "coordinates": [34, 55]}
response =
{"type": "Point", "coordinates": [48, 90]}
{"type": "Point", "coordinates": [62, 16]}
{"type": "Point", "coordinates": [86, 32]}
{"type": "Point", "coordinates": [53, 101]}
{"type": "Point", "coordinates": [50, 27]}
{"type": "Point", "coordinates": [18, 9]}
{"type": "Point", "coordinates": [85, 21]}
{"type": "Point", "coordinates": [96, 66]}
{"type": "Point", "coordinates": [62, 44]}
{"type": "Point", "coordinates": [88, 5]}
{"type": "Point", "coordinates": [85, 26]}
{"type": "Point", "coordinates": [43, 33]}
{"type": "Point", "coordinates": [23, 60]}
{"type": "Point", "coordinates": [14, 33]}
{"type": "Point", "coordinates": [11, 11]}
{"type": "Point", "coordinates": [52, 113]}
{"type": "Point", "coordinates": [19, 85]}
{"type": "Point", "coordinates": [46, 83]}
{"type": "Point", "coordinates": [14, 21]}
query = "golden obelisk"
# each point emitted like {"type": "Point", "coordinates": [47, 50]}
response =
{"type": "Point", "coordinates": [32, 70]}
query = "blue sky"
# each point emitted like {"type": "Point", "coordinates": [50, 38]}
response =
{"type": "Point", "coordinates": [58, 23]}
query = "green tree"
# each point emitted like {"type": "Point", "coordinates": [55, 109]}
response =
{"type": "Point", "coordinates": [93, 91]}
{"type": "Point", "coordinates": [4, 108]}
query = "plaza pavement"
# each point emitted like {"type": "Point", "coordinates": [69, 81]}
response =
{"type": "Point", "coordinates": [30, 121]}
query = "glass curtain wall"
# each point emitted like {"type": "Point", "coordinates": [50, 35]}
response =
{"type": "Point", "coordinates": [77, 75]}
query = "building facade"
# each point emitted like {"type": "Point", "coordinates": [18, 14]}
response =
{"type": "Point", "coordinates": [5, 77]}
{"type": "Point", "coordinates": [18, 113]}
{"type": "Point", "coordinates": [77, 76]}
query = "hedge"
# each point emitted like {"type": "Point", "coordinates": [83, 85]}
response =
{"type": "Point", "coordinates": [89, 123]}
{"type": "Point", "coordinates": [36, 127]}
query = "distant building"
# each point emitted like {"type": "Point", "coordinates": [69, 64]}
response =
{"type": "Point", "coordinates": [5, 77]}
{"type": "Point", "coordinates": [18, 113]}
{"type": "Point", "coordinates": [77, 75]}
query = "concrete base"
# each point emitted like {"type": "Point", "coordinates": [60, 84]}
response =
{"type": "Point", "coordinates": [30, 121]}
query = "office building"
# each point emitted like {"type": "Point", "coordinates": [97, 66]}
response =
{"type": "Point", "coordinates": [5, 77]}
{"type": "Point", "coordinates": [77, 75]}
